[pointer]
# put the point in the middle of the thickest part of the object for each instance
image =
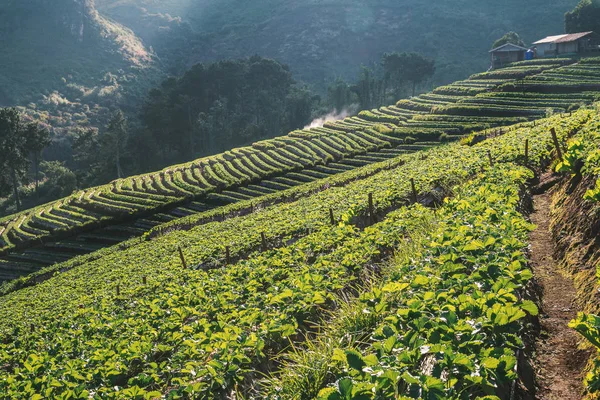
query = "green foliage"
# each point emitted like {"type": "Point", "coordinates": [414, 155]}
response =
{"type": "Point", "coordinates": [572, 158]}
{"type": "Point", "coordinates": [510, 37]}
{"type": "Point", "coordinates": [202, 331]}
{"type": "Point", "coordinates": [589, 327]}
{"type": "Point", "coordinates": [585, 17]}
{"type": "Point", "coordinates": [17, 141]}
{"type": "Point", "coordinates": [59, 180]}
{"type": "Point", "coordinates": [406, 67]}
{"type": "Point", "coordinates": [214, 107]}
{"type": "Point", "coordinates": [439, 329]}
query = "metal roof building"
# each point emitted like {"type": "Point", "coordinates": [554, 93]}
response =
{"type": "Point", "coordinates": [568, 44]}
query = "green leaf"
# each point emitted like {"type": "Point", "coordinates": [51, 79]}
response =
{"type": "Point", "coordinates": [345, 387]}
{"type": "Point", "coordinates": [530, 307]}
{"type": "Point", "coordinates": [420, 280]}
{"type": "Point", "coordinates": [490, 363]}
{"type": "Point", "coordinates": [389, 343]}
{"type": "Point", "coordinates": [329, 394]}
{"type": "Point", "coordinates": [371, 360]}
{"type": "Point", "coordinates": [395, 287]}
{"type": "Point", "coordinates": [355, 360]}
{"type": "Point", "coordinates": [474, 246]}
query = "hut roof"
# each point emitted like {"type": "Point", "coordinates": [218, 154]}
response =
{"type": "Point", "coordinates": [508, 47]}
{"type": "Point", "coordinates": [571, 37]}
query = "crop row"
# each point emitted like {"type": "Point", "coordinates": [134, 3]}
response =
{"type": "Point", "coordinates": [114, 332]}
{"type": "Point", "coordinates": [301, 149]}
{"type": "Point", "coordinates": [153, 192]}
{"type": "Point", "coordinates": [432, 327]}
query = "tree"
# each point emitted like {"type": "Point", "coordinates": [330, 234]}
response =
{"type": "Point", "coordinates": [13, 147]}
{"type": "Point", "coordinates": [410, 67]}
{"type": "Point", "coordinates": [368, 89]}
{"type": "Point", "coordinates": [217, 106]}
{"type": "Point", "coordinates": [38, 138]}
{"type": "Point", "coordinates": [60, 181]}
{"type": "Point", "coordinates": [339, 95]}
{"type": "Point", "coordinates": [87, 156]}
{"type": "Point", "coordinates": [585, 17]}
{"type": "Point", "coordinates": [418, 70]}
{"type": "Point", "coordinates": [114, 140]}
{"type": "Point", "coordinates": [510, 37]}
{"type": "Point", "coordinates": [393, 72]}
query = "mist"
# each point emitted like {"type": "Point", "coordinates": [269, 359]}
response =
{"type": "Point", "coordinates": [333, 116]}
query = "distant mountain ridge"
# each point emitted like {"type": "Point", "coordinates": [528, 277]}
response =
{"type": "Point", "coordinates": [322, 40]}
{"type": "Point", "coordinates": [70, 61]}
{"type": "Point", "coordinates": [45, 42]}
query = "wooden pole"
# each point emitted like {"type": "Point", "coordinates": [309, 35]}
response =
{"type": "Point", "coordinates": [371, 216]}
{"type": "Point", "coordinates": [556, 144]}
{"type": "Point", "coordinates": [331, 218]}
{"type": "Point", "coordinates": [526, 152]}
{"type": "Point", "coordinates": [264, 241]}
{"type": "Point", "coordinates": [144, 280]}
{"type": "Point", "coordinates": [490, 158]}
{"type": "Point", "coordinates": [414, 190]}
{"type": "Point", "coordinates": [182, 257]}
{"type": "Point", "coordinates": [227, 255]}
{"type": "Point", "coordinates": [118, 290]}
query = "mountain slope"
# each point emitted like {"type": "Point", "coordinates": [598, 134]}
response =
{"type": "Point", "coordinates": [48, 44]}
{"type": "Point", "coordinates": [325, 39]}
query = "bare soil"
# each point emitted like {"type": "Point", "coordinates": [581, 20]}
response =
{"type": "Point", "coordinates": [559, 362]}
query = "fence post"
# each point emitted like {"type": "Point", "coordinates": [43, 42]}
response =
{"type": "Point", "coordinates": [227, 256]}
{"type": "Point", "coordinates": [371, 216]}
{"type": "Point", "coordinates": [556, 144]}
{"type": "Point", "coordinates": [331, 218]}
{"type": "Point", "coordinates": [414, 190]}
{"type": "Point", "coordinates": [264, 241]}
{"type": "Point", "coordinates": [182, 257]}
{"type": "Point", "coordinates": [490, 158]}
{"type": "Point", "coordinates": [526, 152]}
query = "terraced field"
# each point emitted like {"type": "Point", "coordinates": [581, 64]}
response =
{"type": "Point", "coordinates": [208, 309]}
{"type": "Point", "coordinates": [92, 219]}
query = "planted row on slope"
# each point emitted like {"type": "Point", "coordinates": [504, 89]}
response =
{"type": "Point", "coordinates": [447, 321]}
{"type": "Point", "coordinates": [17, 264]}
{"type": "Point", "coordinates": [121, 334]}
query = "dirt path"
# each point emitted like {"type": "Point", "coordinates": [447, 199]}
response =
{"type": "Point", "coordinates": [559, 362]}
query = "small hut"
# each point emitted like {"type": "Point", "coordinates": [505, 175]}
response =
{"type": "Point", "coordinates": [506, 54]}
{"type": "Point", "coordinates": [568, 44]}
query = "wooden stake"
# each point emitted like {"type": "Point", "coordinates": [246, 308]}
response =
{"type": "Point", "coordinates": [144, 280]}
{"type": "Point", "coordinates": [556, 144]}
{"type": "Point", "coordinates": [118, 290]}
{"type": "Point", "coordinates": [490, 158]}
{"type": "Point", "coordinates": [182, 257]}
{"type": "Point", "coordinates": [227, 256]}
{"type": "Point", "coordinates": [32, 328]}
{"type": "Point", "coordinates": [371, 216]}
{"type": "Point", "coordinates": [414, 190]}
{"type": "Point", "coordinates": [264, 241]}
{"type": "Point", "coordinates": [331, 216]}
{"type": "Point", "coordinates": [526, 152]}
